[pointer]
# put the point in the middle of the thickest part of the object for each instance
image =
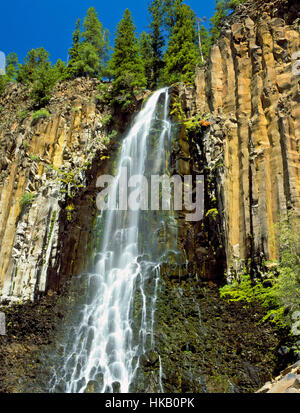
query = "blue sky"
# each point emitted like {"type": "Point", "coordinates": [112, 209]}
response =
{"type": "Point", "coordinates": [28, 24]}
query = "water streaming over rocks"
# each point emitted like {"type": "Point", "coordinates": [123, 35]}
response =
{"type": "Point", "coordinates": [112, 322]}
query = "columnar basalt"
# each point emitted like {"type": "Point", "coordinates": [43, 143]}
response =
{"type": "Point", "coordinates": [45, 163]}
{"type": "Point", "coordinates": [250, 92]}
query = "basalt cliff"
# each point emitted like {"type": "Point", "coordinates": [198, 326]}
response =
{"type": "Point", "coordinates": [249, 91]}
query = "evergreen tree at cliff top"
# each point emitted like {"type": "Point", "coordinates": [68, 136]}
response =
{"type": "Point", "coordinates": [89, 50]}
{"type": "Point", "coordinates": [156, 10]}
{"type": "Point", "coordinates": [147, 56]}
{"type": "Point", "coordinates": [126, 64]}
{"type": "Point", "coordinates": [35, 60]}
{"type": "Point", "coordinates": [37, 73]}
{"type": "Point", "coordinates": [181, 55]}
{"type": "Point", "coordinates": [88, 63]}
{"type": "Point", "coordinates": [11, 71]}
{"type": "Point", "coordinates": [74, 50]}
{"type": "Point", "coordinates": [12, 65]}
{"type": "Point", "coordinates": [169, 14]}
{"type": "Point", "coordinates": [95, 35]}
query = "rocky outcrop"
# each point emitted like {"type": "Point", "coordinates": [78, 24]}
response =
{"type": "Point", "coordinates": [47, 206]}
{"type": "Point", "coordinates": [206, 345]}
{"type": "Point", "coordinates": [250, 91]}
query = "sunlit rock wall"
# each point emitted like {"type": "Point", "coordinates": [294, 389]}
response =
{"type": "Point", "coordinates": [250, 92]}
{"type": "Point", "coordinates": [51, 158]}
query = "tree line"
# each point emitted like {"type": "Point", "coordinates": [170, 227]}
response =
{"type": "Point", "coordinates": [175, 43]}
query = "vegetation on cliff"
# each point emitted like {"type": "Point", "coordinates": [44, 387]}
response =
{"type": "Point", "coordinates": [278, 289]}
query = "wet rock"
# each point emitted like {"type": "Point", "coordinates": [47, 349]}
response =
{"type": "Point", "coordinates": [92, 387]}
{"type": "Point", "coordinates": [99, 378]}
{"type": "Point", "coordinates": [116, 387]}
{"type": "Point", "coordinates": [149, 359]}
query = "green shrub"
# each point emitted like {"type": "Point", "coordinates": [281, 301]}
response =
{"type": "Point", "coordinates": [70, 182]}
{"type": "Point", "coordinates": [256, 292]}
{"type": "Point", "coordinates": [34, 158]}
{"type": "Point", "coordinates": [22, 114]}
{"type": "Point", "coordinates": [106, 120]}
{"type": "Point", "coordinates": [106, 140]}
{"type": "Point", "coordinates": [70, 208]}
{"type": "Point", "coordinates": [50, 167]}
{"type": "Point", "coordinates": [104, 95]}
{"type": "Point", "coordinates": [42, 113]}
{"type": "Point", "coordinates": [288, 282]}
{"type": "Point", "coordinates": [112, 135]}
{"type": "Point", "coordinates": [213, 213]}
{"type": "Point", "coordinates": [26, 145]}
{"type": "Point", "coordinates": [279, 295]}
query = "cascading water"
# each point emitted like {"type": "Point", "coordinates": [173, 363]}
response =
{"type": "Point", "coordinates": [113, 321]}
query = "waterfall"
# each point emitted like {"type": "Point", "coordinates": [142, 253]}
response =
{"type": "Point", "coordinates": [114, 315]}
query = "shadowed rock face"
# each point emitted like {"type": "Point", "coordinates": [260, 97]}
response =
{"type": "Point", "coordinates": [250, 91]}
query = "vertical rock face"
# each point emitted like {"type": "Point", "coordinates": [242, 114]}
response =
{"type": "Point", "coordinates": [45, 163]}
{"type": "Point", "coordinates": [250, 90]}
{"type": "Point", "coordinates": [249, 152]}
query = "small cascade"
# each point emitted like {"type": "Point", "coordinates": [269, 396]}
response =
{"type": "Point", "coordinates": [160, 376]}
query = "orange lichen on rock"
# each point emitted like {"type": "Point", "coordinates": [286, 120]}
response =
{"type": "Point", "coordinates": [205, 123]}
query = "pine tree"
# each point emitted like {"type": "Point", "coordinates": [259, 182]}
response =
{"type": "Point", "coordinates": [35, 59]}
{"type": "Point", "coordinates": [39, 75]}
{"type": "Point", "coordinates": [126, 63]}
{"type": "Point", "coordinates": [146, 52]}
{"type": "Point", "coordinates": [42, 76]}
{"type": "Point", "coordinates": [156, 10]}
{"type": "Point", "coordinates": [10, 72]}
{"type": "Point", "coordinates": [60, 70]}
{"type": "Point", "coordinates": [87, 64]}
{"type": "Point", "coordinates": [45, 77]}
{"type": "Point", "coordinates": [12, 65]}
{"type": "Point", "coordinates": [74, 51]}
{"type": "Point", "coordinates": [169, 14]}
{"type": "Point", "coordinates": [95, 35]}
{"type": "Point", "coordinates": [181, 55]}
{"type": "Point", "coordinates": [89, 51]}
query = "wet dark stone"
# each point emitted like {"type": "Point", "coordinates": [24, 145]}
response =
{"type": "Point", "coordinates": [92, 387]}
{"type": "Point", "coordinates": [116, 387]}
{"type": "Point", "coordinates": [99, 379]}
{"type": "Point", "coordinates": [188, 347]}
{"type": "Point", "coordinates": [149, 359]}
